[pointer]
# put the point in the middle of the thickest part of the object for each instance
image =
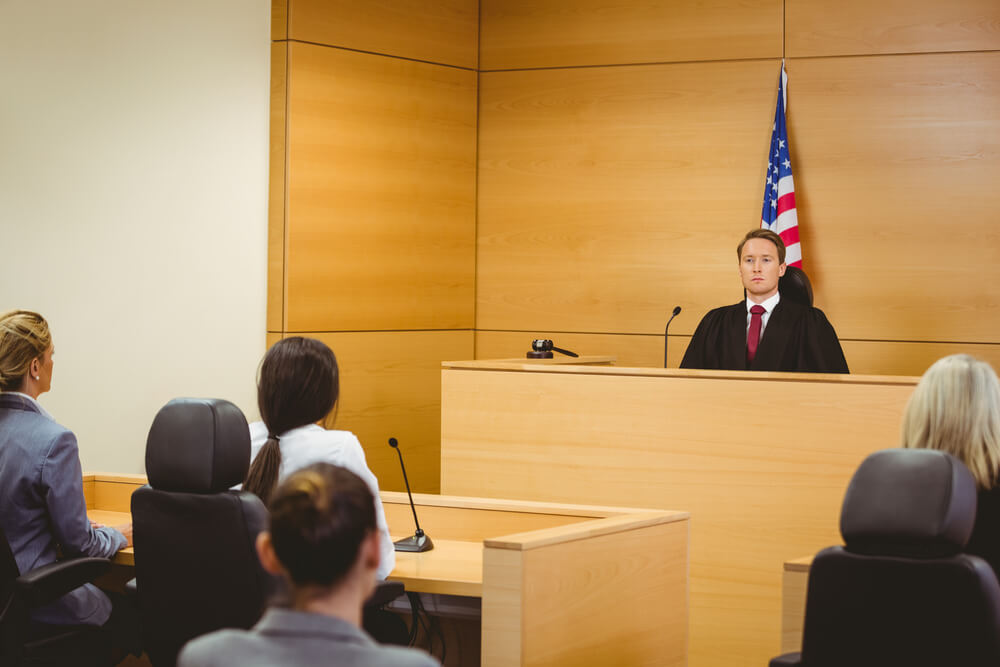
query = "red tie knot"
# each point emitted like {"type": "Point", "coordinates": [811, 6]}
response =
{"type": "Point", "coordinates": [758, 310]}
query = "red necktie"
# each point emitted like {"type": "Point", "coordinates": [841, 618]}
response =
{"type": "Point", "coordinates": [753, 335]}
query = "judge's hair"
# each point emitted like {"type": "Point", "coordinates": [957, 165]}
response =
{"type": "Point", "coordinates": [298, 384]}
{"type": "Point", "coordinates": [766, 234]}
{"type": "Point", "coordinates": [24, 337]}
{"type": "Point", "coordinates": [319, 517]}
{"type": "Point", "coordinates": [956, 409]}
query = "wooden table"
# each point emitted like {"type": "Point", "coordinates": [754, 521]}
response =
{"type": "Point", "coordinates": [561, 584]}
{"type": "Point", "coordinates": [760, 460]}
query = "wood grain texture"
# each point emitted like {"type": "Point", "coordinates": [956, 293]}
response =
{"type": "Point", "coordinates": [590, 180]}
{"type": "Point", "coordinates": [553, 33]}
{"type": "Point", "coordinates": [615, 599]}
{"type": "Point", "coordinates": [439, 31]}
{"type": "Point", "coordinates": [794, 584]}
{"type": "Point", "coordinates": [452, 567]}
{"type": "Point", "coordinates": [867, 357]}
{"type": "Point", "coordinates": [896, 160]}
{"type": "Point", "coordinates": [279, 19]}
{"type": "Point", "coordinates": [390, 385]}
{"type": "Point", "coordinates": [453, 523]}
{"type": "Point", "coordinates": [503, 608]}
{"type": "Point", "coordinates": [276, 201]}
{"type": "Point", "coordinates": [817, 28]}
{"type": "Point", "coordinates": [758, 489]}
{"type": "Point", "coordinates": [381, 212]}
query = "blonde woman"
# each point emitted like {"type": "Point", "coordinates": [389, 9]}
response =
{"type": "Point", "coordinates": [956, 409]}
{"type": "Point", "coordinates": [41, 487]}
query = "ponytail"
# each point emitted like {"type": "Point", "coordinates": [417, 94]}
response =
{"type": "Point", "coordinates": [262, 477]}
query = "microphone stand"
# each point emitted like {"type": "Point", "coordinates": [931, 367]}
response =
{"type": "Point", "coordinates": [419, 541]}
{"type": "Point", "coordinates": [677, 311]}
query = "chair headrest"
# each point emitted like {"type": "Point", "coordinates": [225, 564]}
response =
{"type": "Point", "coordinates": [795, 286]}
{"type": "Point", "coordinates": [909, 502]}
{"type": "Point", "coordinates": [197, 445]}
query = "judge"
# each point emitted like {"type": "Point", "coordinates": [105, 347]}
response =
{"type": "Point", "coordinates": [765, 332]}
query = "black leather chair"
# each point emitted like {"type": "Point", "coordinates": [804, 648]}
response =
{"type": "Point", "coordinates": [901, 592]}
{"type": "Point", "coordinates": [23, 642]}
{"type": "Point", "coordinates": [795, 286]}
{"type": "Point", "coordinates": [196, 565]}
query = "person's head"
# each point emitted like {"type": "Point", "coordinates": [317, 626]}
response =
{"type": "Point", "coordinates": [322, 533]}
{"type": "Point", "coordinates": [761, 255]}
{"type": "Point", "coordinates": [25, 353]}
{"type": "Point", "coordinates": [298, 384]}
{"type": "Point", "coordinates": [956, 408]}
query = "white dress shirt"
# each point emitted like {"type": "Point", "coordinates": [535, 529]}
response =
{"type": "Point", "coordinates": [312, 443]}
{"type": "Point", "coordinates": [769, 305]}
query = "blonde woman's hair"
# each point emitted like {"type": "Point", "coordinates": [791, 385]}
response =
{"type": "Point", "coordinates": [956, 409]}
{"type": "Point", "coordinates": [24, 336]}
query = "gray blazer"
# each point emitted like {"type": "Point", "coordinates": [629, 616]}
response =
{"type": "Point", "coordinates": [42, 509]}
{"type": "Point", "coordinates": [297, 638]}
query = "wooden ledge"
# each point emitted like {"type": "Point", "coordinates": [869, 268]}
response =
{"type": "Point", "coordinates": [587, 529]}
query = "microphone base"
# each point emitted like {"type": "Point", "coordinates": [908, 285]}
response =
{"type": "Point", "coordinates": [414, 544]}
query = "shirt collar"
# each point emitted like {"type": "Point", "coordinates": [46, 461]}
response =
{"type": "Point", "coordinates": [769, 304]}
{"type": "Point", "coordinates": [31, 401]}
{"type": "Point", "coordinates": [281, 621]}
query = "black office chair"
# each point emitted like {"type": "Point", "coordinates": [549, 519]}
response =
{"type": "Point", "coordinates": [23, 642]}
{"type": "Point", "coordinates": [196, 563]}
{"type": "Point", "coordinates": [901, 592]}
{"type": "Point", "coordinates": [795, 286]}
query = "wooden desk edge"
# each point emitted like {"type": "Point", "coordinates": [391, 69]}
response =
{"type": "Point", "coordinates": [798, 564]}
{"type": "Point", "coordinates": [503, 505]}
{"type": "Point", "coordinates": [589, 360]}
{"type": "Point", "coordinates": [587, 529]}
{"type": "Point", "coordinates": [583, 369]}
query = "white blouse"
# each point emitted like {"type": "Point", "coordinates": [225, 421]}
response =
{"type": "Point", "coordinates": [312, 443]}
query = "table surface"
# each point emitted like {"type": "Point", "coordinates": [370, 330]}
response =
{"type": "Point", "coordinates": [452, 567]}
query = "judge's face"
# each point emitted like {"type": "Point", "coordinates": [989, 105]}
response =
{"type": "Point", "coordinates": [760, 269]}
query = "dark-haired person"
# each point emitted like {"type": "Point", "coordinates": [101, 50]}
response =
{"type": "Point", "coordinates": [324, 541]}
{"type": "Point", "coordinates": [764, 332]}
{"type": "Point", "coordinates": [297, 389]}
{"type": "Point", "coordinates": [41, 485]}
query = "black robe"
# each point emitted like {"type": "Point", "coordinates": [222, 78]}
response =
{"type": "Point", "coordinates": [796, 338]}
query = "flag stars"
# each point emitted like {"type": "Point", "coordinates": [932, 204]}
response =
{"type": "Point", "coordinates": [774, 203]}
{"type": "Point", "coordinates": [787, 164]}
{"type": "Point", "coordinates": [781, 143]}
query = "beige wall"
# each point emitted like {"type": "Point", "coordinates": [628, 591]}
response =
{"type": "Point", "coordinates": [372, 217]}
{"type": "Point", "coordinates": [621, 151]}
{"type": "Point", "coordinates": [133, 181]}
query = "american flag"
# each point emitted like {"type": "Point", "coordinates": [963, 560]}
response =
{"type": "Point", "coordinates": [778, 213]}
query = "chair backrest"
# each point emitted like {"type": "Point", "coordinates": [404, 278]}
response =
{"type": "Point", "coordinates": [901, 592]}
{"type": "Point", "coordinates": [196, 564]}
{"type": "Point", "coordinates": [795, 286]}
{"type": "Point", "coordinates": [13, 615]}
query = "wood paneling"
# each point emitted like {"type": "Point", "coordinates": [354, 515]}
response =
{"type": "Point", "coordinates": [865, 357]}
{"type": "Point", "coordinates": [390, 386]}
{"type": "Point", "coordinates": [819, 28]}
{"type": "Point", "coordinates": [794, 585]}
{"type": "Point", "coordinates": [276, 191]}
{"type": "Point", "coordinates": [590, 180]}
{"type": "Point", "coordinates": [760, 490]}
{"type": "Point", "coordinates": [900, 358]}
{"type": "Point", "coordinates": [555, 33]}
{"type": "Point", "coordinates": [896, 163]}
{"type": "Point", "coordinates": [442, 31]}
{"type": "Point", "coordinates": [381, 214]}
{"type": "Point", "coordinates": [279, 19]}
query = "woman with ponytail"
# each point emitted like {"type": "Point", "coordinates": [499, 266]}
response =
{"type": "Point", "coordinates": [297, 391]}
{"type": "Point", "coordinates": [324, 542]}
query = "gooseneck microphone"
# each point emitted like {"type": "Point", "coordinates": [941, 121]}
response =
{"type": "Point", "coordinates": [418, 541]}
{"type": "Point", "coordinates": [677, 311]}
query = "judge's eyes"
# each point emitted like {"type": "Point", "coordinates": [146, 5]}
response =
{"type": "Point", "coordinates": [750, 260]}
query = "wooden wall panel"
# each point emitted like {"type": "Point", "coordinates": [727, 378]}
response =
{"type": "Point", "coordinates": [555, 33]}
{"type": "Point", "coordinates": [875, 357]}
{"type": "Point", "coordinates": [276, 190]}
{"type": "Point", "coordinates": [390, 385]}
{"type": "Point", "coordinates": [381, 193]}
{"type": "Point", "coordinates": [442, 31]}
{"type": "Point", "coordinates": [896, 163]}
{"type": "Point", "coordinates": [609, 195]}
{"type": "Point", "coordinates": [821, 28]}
{"type": "Point", "coordinates": [279, 19]}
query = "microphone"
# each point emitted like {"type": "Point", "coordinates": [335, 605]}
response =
{"type": "Point", "coordinates": [677, 311]}
{"type": "Point", "coordinates": [419, 541]}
